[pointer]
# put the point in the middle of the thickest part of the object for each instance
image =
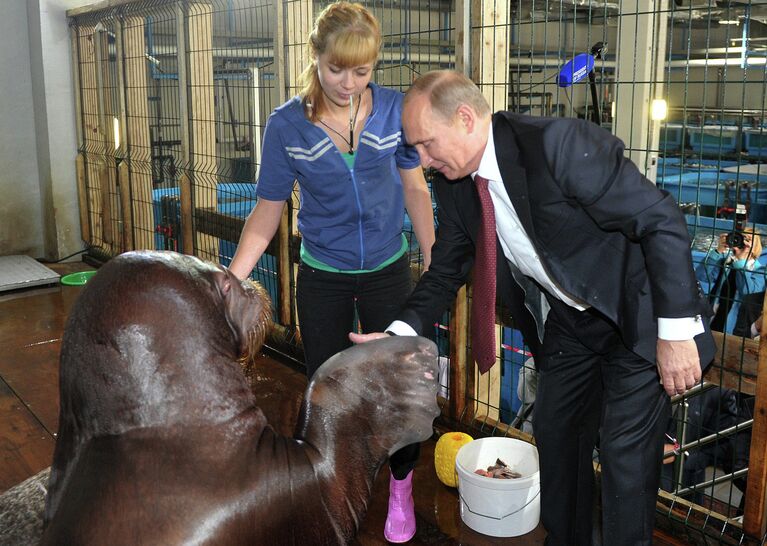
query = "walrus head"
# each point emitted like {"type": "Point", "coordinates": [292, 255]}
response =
{"type": "Point", "coordinates": [154, 340]}
{"type": "Point", "coordinates": [144, 315]}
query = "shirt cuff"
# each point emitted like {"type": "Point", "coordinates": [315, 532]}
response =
{"type": "Point", "coordinates": [399, 328]}
{"type": "Point", "coordinates": [680, 329]}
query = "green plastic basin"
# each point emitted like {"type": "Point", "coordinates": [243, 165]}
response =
{"type": "Point", "coordinates": [77, 279]}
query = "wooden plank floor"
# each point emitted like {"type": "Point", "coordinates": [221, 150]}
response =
{"type": "Point", "coordinates": [31, 326]}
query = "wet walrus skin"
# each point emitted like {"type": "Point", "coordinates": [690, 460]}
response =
{"type": "Point", "coordinates": [159, 438]}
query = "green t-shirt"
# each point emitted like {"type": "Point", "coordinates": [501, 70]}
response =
{"type": "Point", "coordinates": [316, 264]}
{"type": "Point", "coordinates": [349, 158]}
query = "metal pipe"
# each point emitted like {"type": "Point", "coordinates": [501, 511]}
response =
{"type": "Point", "coordinates": [716, 481]}
{"type": "Point", "coordinates": [720, 434]}
{"type": "Point", "coordinates": [681, 431]}
{"type": "Point", "coordinates": [718, 110]}
{"type": "Point", "coordinates": [701, 387]}
{"type": "Point", "coordinates": [734, 61]}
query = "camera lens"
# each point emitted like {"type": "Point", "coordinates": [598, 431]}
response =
{"type": "Point", "coordinates": [735, 239]}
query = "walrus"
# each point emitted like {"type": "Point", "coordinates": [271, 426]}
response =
{"type": "Point", "coordinates": [160, 441]}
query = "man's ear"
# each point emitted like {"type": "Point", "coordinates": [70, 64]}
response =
{"type": "Point", "coordinates": [467, 117]}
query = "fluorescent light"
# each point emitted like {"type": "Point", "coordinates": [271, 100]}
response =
{"type": "Point", "coordinates": [116, 128]}
{"type": "Point", "coordinates": [658, 109]}
{"type": "Point", "coordinates": [729, 22]}
{"type": "Point", "coordinates": [732, 61]}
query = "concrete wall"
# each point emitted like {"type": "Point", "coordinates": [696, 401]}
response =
{"type": "Point", "coordinates": [53, 94]}
{"type": "Point", "coordinates": [20, 200]}
{"type": "Point", "coordinates": [38, 207]}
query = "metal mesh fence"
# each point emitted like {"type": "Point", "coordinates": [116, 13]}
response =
{"type": "Point", "coordinates": [173, 97]}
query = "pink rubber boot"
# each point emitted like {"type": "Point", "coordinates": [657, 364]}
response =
{"type": "Point", "coordinates": [400, 521]}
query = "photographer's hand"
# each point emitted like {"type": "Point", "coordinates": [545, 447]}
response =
{"type": "Point", "coordinates": [744, 252]}
{"type": "Point", "coordinates": [721, 246]}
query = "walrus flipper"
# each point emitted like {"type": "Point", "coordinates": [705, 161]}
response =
{"type": "Point", "coordinates": [362, 405]}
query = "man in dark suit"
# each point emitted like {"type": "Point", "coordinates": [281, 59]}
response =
{"type": "Point", "coordinates": [594, 263]}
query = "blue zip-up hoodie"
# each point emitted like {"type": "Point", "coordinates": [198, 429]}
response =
{"type": "Point", "coordinates": [349, 219]}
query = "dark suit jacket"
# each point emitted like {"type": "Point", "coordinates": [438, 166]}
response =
{"type": "Point", "coordinates": [605, 233]}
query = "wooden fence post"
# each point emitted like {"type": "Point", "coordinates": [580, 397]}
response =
{"type": "Point", "coordinates": [202, 125]}
{"type": "Point", "coordinates": [755, 510]}
{"type": "Point", "coordinates": [138, 145]}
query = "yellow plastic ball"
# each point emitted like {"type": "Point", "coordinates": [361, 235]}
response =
{"type": "Point", "coordinates": [444, 456]}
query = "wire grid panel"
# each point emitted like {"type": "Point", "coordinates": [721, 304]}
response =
{"type": "Point", "coordinates": [710, 71]}
{"type": "Point", "coordinates": [714, 83]}
{"type": "Point", "coordinates": [154, 123]}
{"type": "Point", "coordinates": [95, 93]}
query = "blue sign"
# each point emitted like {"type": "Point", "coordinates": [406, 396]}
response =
{"type": "Point", "coordinates": [575, 70]}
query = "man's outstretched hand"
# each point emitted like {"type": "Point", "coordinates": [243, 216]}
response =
{"type": "Point", "coordinates": [363, 338]}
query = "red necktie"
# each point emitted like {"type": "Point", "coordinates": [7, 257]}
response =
{"type": "Point", "coordinates": [483, 294]}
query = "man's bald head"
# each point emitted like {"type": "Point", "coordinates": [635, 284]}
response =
{"type": "Point", "coordinates": [446, 91]}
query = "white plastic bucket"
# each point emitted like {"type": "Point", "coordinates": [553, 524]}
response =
{"type": "Point", "coordinates": [497, 507]}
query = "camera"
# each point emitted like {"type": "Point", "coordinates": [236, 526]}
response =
{"type": "Point", "coordinates": [735, 238]}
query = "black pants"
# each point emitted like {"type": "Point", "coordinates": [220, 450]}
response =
{"type": "Point", "coordinates": [590, 384]}
{"type": "Point", "coordinates": [326, 303]}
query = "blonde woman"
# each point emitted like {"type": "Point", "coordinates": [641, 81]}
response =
{"type": "Point", "coordinates": [341, 139]}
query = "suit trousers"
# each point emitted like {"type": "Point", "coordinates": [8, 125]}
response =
{"type": "Point", "coordinates": [592, 389]}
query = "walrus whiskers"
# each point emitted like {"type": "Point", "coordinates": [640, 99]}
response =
{"type": "Point", "coordinates": [256, 336]}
